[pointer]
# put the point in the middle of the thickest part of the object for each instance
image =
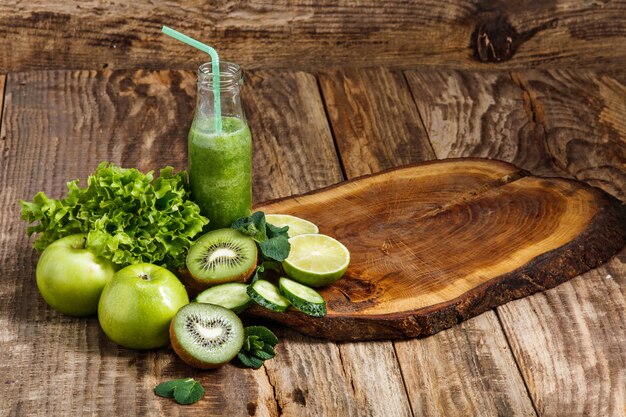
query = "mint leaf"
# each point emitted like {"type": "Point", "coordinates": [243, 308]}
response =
{"type": "Point", "coordinates": [269, 349]}
{"type": "Point", "coordinates": [272, 241]}
{"type": "Point", "coordinates": [258, 274]}
{"type": "Point", "coordinates": [275, 231]}
{"type": "Point", "coordinates": [184, 391]}
{"type": "Point", "coordinates": [249, 361]}
{"type": "Point", "coordinates": [258, 346]}
{"type": "Point", "coordinates": [253, 226]}
{"type": "Point", "coordinates": [261, 332]}
{"type": "Point", "coordinates": [263, 268]}
{"type": "Point", "coordinates": [276, 248]}
{"type": "Point", "coordinates": [262, 354]}
{"type": "Point", "coordinates": [188, 392]}
{"type": "Point", "coordinates": [166, 389]}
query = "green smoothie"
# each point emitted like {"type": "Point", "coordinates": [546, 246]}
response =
{"type": "Point", "coordinates": [220, 170]}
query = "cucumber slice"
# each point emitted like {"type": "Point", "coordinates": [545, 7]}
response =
{"type": "Point", "coordinates": [265, 294]}
{"type": "Point", "coordinates": [232, 295]}
{"type": "Point", "coordinates": [303, 298]}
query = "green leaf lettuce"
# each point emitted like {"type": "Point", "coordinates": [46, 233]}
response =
{"type": "Point", "coordinates": [129, 216]}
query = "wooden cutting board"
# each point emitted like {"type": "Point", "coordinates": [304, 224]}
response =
{"type": "Point", "coordinates": [437, 243]}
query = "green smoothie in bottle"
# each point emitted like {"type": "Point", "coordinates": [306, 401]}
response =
{"type": "Point", "coordinates": [220, 163]}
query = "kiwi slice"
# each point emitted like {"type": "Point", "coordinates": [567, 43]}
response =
{"type": "Point", "coordinates": [223, 255]}
{"type": "Point", "coordinates": [206, 336]}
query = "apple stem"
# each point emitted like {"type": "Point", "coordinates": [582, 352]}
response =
{"type": "Point", "coordinates": [145, 277]}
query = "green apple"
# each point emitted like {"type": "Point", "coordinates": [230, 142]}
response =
{"type": "Point", "coordinates": [71, 277]}
{"type": "Point", "coordinates": [137, 305]}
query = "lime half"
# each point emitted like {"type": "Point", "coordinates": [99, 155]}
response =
{"type": "Point", "coordinates": [316, 260]}
{"type": "Point", "coordinates": [297, 226]}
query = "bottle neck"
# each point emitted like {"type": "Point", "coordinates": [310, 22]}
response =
{"type": "Point", "coordinates": [230, 83]}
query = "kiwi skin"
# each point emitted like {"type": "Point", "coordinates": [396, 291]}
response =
{"type": "Point", "coordinates": [196, 286]}
{"type": "Point", "coordinates": [189, 359]}
{"type": "Point", "coordinates": [193, 287]}
{"type": "Point", "coordinates": [186, 357]}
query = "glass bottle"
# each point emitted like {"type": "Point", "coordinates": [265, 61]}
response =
{"type": "Point", "coordinates": [220, 163]}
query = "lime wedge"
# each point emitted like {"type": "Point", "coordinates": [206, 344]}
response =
{"type": "Point", "coordinates": [297, 226]}
{"type": "Point", "coordinates": [316, 260]}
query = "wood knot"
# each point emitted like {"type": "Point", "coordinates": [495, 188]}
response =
{"type": "Point", "coordinates": [495, 39]}
{"type": "Point", "coordinates": [298, 396]}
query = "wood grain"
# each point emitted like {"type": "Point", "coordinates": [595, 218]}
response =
{"type": "Point", "coordinates": [58, 125]}
{"type": "Point", "coordinates": [574, 366]}
{"type": "Point", "coordinates": [494, 365]}
{"type": "Point", "coordinates": [466, 370]}
{"type": "Point", "coordinates": [374, 119]}
{"type": "Point", "coordinates": [295, 34]}
{"type": "Point", "coordinates": [294, 147]}
{"type": "Point", "coordinates": [370, 144]}
{"type": "Point", "coordinates": [140, 118]}
{"type": "Point", "coordinates": [374, 372]}
{"type": "Point", "coordinates": [535, 354]}
{"type": "Point", "coordinates": [2, 81]}
{"type": "Point", "coordinates": [582, 116]}
{"type": "Point", "coordinates": [285, 113]}
{"type": "Point", "coordinates": [482, 115]}
{"type": "Point", "coordinates": [421, 267]}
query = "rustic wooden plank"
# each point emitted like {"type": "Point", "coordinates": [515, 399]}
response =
{"type": "Point", "coordinates": [582, 118]}
{"type": "Point", "coordinates": [312, 377]}
{"type": "Point", "coordinates": [578, 342]}
{"type": "Point", "coordinates": [495, 363]}
{"type": "Point", "coordinates": [374, 119]}
{"type": "Point", "coordinates": [434, 96]}
{"type": "Point", "coordinates": [574, 362]}
{"type": "Point", "coordinates": [479, 114]}
{"type": "Point", "coordinates": [293, 148]}
{"type": "Point", "coordinates": [2, 81]}
{"type": "Point", "coordinates": [59, 125]}
{"type": "Point", "coordinates": [2, 93]}
{"type": "Point", "coordinates": [466, 370]}
{"type": "Point", "coordinates": [352, 129]}
{"type": "Point", "coordinates": [304, 35]}
{"type": "Point", "coordinates": [374, 372]}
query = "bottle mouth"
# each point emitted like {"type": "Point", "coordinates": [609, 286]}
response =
{"type": "Point", "coordinates": [230, 75]}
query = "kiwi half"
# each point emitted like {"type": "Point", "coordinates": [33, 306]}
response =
{"type": "Point", "coordinates": [206, 336]}
{"type": "Point", "coordinates": [223, 255]}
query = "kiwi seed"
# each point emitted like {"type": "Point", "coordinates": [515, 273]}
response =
{"type": "Point", "coordinates": [226, 253]}
{"type": "Point", "coordinates": [205, 335]}
{"type": "Point", "coordinates": [223, 255]}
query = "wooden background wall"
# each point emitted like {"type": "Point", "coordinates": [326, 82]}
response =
{"type": "Point", "coordinates": [51, 34]}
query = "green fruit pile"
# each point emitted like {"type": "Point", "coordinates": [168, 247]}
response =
{"type": "Point", "coordinates": [145, 306]}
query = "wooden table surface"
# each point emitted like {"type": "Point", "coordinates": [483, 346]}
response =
{"type": "Point", "coordinates": [557, 353]}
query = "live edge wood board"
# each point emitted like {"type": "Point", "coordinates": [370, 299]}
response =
{"type": "Point", "coordinates": [437, 243]}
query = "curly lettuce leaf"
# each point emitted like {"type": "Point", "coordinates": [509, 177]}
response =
{"type": "Point", "coordinates": [129, 216]}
